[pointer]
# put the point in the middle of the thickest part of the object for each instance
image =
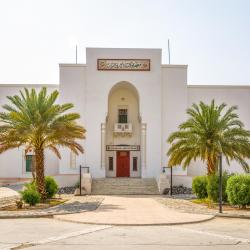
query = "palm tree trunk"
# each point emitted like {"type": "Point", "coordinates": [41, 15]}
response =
{"type": "Point", "coordinates": [211, 166]}
{"type": "Point", "coordinates": [33, 168]}
{"type": "Point", "coordinates": [40, 180]}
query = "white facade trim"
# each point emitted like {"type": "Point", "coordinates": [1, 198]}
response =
{"type": "Point", "coordinates": [219, 86]}
{"type": "Point", "coordinates": [30, 85]}
{"type": "Point", "coordinates": [72, 65]}
{"type": "Point", "coordinates": [174, 66]}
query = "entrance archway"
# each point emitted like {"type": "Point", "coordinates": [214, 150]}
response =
{"type": "Point", "coordinates": [123, 132]}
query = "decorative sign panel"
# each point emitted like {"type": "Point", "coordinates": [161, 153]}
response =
{"type": "Point", "coordinates": [124, 64]}
{"type": "Point", "coordinates": [123, 147]}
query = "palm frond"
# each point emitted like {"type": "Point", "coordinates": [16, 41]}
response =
{"type": "Point", "coordinates": [33, 118]}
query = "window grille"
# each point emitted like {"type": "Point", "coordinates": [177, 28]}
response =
{"type": "Point", "coordinates": [122, 116]}
{"type": "Point", "coordinates": [29, 159]}
{"type": "Point", "coordinates": [135, 168]}
{"type": "Point", "coordinates": [111, 165]}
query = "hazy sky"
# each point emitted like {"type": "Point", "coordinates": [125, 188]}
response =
{"type": "Point", "coordinates": [211, 36]}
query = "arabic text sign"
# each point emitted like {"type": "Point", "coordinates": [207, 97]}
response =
{"type": "Point", "coordinates": [124, 64]}
{"type": "Point", "coordinates": [123, 147]}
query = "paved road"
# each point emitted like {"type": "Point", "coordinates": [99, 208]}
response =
{"type": "Point", "coordinates": [220, 233]}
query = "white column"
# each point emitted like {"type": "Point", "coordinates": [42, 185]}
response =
{"type": "Point", "coordinates": [103, 144]}
{"type": "Point", "coordinates": [143, 145]}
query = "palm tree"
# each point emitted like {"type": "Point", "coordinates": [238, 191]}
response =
{"type": "Point", "coordinates": [210, 130]}
{"type": "Point", "coordinates": [35, 121]}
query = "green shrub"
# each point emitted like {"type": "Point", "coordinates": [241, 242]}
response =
{"type": "Point", "coordinates": [30, 194]}
{"type": "Point", "coordinates": [199, 186]}
{"type": "Point", "coordinates": [238, 190]}
{"type": "Point", "coordinates": [213, 187]}
{"type": "Point", "coordinates": [51, 186]}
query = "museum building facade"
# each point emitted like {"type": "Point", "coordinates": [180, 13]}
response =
{"type": "Point", "coordinates": [129, 103]}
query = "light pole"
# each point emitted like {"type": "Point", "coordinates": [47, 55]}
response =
{"type": "Point", "coordinates": [171, 181]}
{"type": "Point", "coordinates": [220, 182]}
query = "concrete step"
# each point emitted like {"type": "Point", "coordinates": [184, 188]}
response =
{"type": "Point", "coordinates": [133, 186]}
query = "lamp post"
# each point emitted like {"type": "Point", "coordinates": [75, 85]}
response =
{"type": "Point", "coordinates": [80, 180]}
{"type": "Point", "coordinates": [220, 182]}
{"type": "Point", "coordinates": [171, 181]}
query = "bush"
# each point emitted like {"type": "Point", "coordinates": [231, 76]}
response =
{"type": "Point", "coordinates": [238, 190]}
{"type": "Point", "coordinates": [199, 186]}
{"type": "Point", "coordinates": [213, 187]}
{"type": "Point", "coordinates": [30, 194]}
{"type": "Point", "coordinates": [51, 187]}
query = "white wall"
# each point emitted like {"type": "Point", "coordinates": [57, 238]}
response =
{"type": "Point", "coordinates": [73, 90]}
{"type": "Point", "coordinates": [174, 105]}
{"type": "Point", "coordinates": [231, 95]}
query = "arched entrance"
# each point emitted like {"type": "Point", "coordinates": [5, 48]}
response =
{"type": "Point", "coordinates": [123, 132]}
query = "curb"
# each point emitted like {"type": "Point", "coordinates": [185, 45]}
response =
{"type": "Point", "coordinates": [26, 216]}
{"type": "Point", "coordinates": [40, 215]}
{"type": "Point", "coordinates": [138, 225]}
{"type": "Point", "coordinates": [236, 216]}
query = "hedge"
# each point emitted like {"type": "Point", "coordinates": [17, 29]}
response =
{"type": "Point", "coordinates": [213, 187]}
{"type": "Point", "coordinates": [238, 190]}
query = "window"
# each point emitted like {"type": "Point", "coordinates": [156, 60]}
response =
{"type": "Point", "coordinates": [111, 164]}
{"type": "Point", "coordinates": [135, 164]}
{"type": "Point", "coordinates": [122, 116]}
{"type": "Point", "coordinates": [29, 159]}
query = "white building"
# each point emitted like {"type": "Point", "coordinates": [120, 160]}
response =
{"type": "Point", "coordinates": [129, 103]}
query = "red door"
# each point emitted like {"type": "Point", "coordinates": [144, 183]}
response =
{"type": "Point", "coordinates": [122, 164]}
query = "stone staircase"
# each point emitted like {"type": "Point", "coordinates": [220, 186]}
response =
{"type": "Point", "coordinates": [124, 186]}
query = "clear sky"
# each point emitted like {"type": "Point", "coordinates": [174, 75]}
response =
{"type": "Point", "coordinates": [211, 36]}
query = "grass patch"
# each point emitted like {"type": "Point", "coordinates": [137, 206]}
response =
{"type": "Point", "coordinates": [49, 203]}
{"type": "Point", "coordinates": [204, 202]}
{"type": "Point", "coordinates": [213, 205]}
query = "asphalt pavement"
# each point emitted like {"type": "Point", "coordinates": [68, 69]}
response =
{"type": "Point", "coordinates": [220, 233]}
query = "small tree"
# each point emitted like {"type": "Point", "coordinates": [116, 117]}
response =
{"type": "Point", "coordinates": [209, 131]}
{"type": "Point", "coordinates": [35, 121]}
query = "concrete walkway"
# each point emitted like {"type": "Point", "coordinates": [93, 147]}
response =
{"type": "Point", "coordinates": [133, 210]}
